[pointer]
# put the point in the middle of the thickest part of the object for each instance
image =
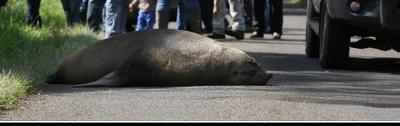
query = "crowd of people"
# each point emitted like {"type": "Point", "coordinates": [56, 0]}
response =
{"type": "Point", "coordinates": [116, 16]}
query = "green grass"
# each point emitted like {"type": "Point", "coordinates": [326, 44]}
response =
{"type": "Point", "coordinates": [28, 55]}
{"type": "Point", "coordinates": [13, 87]}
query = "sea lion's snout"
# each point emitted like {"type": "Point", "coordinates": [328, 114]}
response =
{"type": "Point", "coordinates": [269, 76]}
{"type": "Point", "coordinates": [262, 78]}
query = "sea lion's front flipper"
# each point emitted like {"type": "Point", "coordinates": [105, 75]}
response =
{"type": "Point", "coordinates": [110, 80]}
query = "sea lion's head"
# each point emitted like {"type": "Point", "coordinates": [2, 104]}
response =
{"type": "Point", "coordinates": [247, 71]}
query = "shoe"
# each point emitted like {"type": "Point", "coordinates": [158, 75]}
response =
{"type": "Point", "coordinates": [216, 36]}
{"type": "Point", "coordinates": [256, 35]}
{"type": "Point", "coordinates": [276, 35]}
{"type": "Point", "coordinates": [236, 33]}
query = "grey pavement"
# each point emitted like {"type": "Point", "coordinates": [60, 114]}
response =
{"type": "Point", "coordinates": [367, 90]}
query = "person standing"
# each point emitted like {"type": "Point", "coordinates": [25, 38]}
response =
{"type": "Point", "coordinates": [115, 15]}
{"type": "Point", "coordinates": [162, 13]}
{"type": "Point", "coordinates": [146, 15]}
{"type": "Point", "coordinates": [206, 7]}
{"type": "Point", "coordinates": [71, 8]}
{"type": "Point", "coordinates": [34, 19]}
{"type": "Point", "coordinates": [131, 21]}
{"type": "Point", "coordinates": [276, 18]}
{"type": "Point", "coordinates": [94, 14]}
{"type": "Point", "coordinates": [248, 15]}
{"type": "Point", "coordinates": [189, 16]}
{"type": "Point", "coordinates": [261, 15]}
{"type": "Point", "coordinates": [188, 12]}
{"type": "Point", "coordinates": [238, 21]}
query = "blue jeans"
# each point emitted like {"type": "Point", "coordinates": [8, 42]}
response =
{"type": "Point", "coordinates": [145, 19]}
{"type": "Point", "coordinates": [115, 14]}
{"type": "Point", "coordinates": [266, 15]}
{"type": "Point", "coordinates": [183, 7]}
{"type": "Point", "coordinates": [182, 15]}
{"type": "Point", "coordinates": [164, 5]}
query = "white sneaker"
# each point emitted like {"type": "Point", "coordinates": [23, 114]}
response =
{"type": "Point", "coordinates": [276, 35]}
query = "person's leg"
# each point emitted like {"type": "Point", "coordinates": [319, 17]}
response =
{"type": "Point", "coordinates": [236, 11]}
{"type": "Point", "coordinates": [266, 17]}
{"type": "Point", "coordinates": [276, 20]}
{"type": "Point", "coordinates": [194, 15]}
{"type": "Point", "coordinates": [219, 12]}
{"type": "Point", "coordinates": [218, 20]}
{"type": "Point", "coordinates": [116, 13]}
{"type": "Point", "coordinates": [94, 14]}
{"type": "Point", "coordinates": [131, 20]}
{"type": "Point", "coordinates": [74, 11]}
{"type": "Point", "coordinates": [206, 7]}
{"type": "Point", "coordinates": [259, 18]}
{"type": "Point", "coordinates": [83, 11]}
{"type": "Point", "coordinates": [238, 26]}
{"type": "Point", "coordinates": [123, 15]}
{"type": "Point", "coordinates": [141, 21]}
{"type": "Point", "coordinates": [162, 13]}
{"type": "Point", "coordinates": [182, 15]}
{"type": "Point", "coordinates": [151, 19]}
{"type": "Point", "coordinates": [67, 9]}
{"type": "Point", "coordinates": [34, 18]}
{"type": "Point", "coordinates": [248, 14]}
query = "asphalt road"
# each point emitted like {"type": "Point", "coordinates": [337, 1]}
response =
{"type": "Point", "coordinates": [367, 90]}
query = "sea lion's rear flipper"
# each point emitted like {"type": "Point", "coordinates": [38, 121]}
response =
{"type": "Point", "coordinates": [110, 80]}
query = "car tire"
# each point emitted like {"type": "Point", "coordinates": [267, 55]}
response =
{"type": "Point", "coordinates": [312, 40]}
{"type": "Point", "coordinates": [334, 41]}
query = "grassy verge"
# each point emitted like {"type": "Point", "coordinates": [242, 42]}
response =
{"type": "Point", "coordinates": [28, 55]}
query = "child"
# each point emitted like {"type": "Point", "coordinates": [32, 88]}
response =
{"type": "Point", "coordinates": [146, 14]}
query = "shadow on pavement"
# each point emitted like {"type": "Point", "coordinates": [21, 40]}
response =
{"type": "Point", "coordinates": [311, 83]}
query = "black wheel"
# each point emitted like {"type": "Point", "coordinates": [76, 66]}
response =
{"type": "Point", "coordinates": [393, 39]}
{"type": "Point", "coordinates": [312, 40]}
{"type": "Point", "coordinates": [334, 41]}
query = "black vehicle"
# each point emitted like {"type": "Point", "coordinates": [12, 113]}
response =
{"type": "Point", "coordinates": [331, 24]}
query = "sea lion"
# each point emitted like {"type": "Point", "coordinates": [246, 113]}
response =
{"type": "Point", "coordinates": [159, 57]}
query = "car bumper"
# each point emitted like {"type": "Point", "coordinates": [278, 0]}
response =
{"type": "Point", "coordinates": [381, 15]}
